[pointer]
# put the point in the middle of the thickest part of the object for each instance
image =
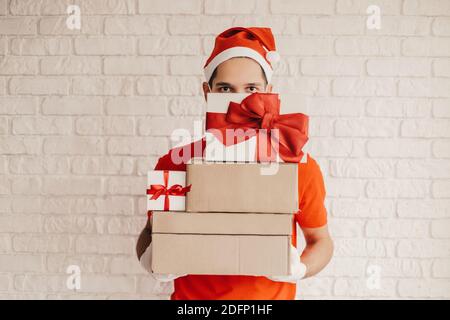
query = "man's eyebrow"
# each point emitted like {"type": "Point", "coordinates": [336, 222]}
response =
{"type": "Point", "coordinates": [224, 84]}
{"type": "Point", "coordinates": [254, 84]}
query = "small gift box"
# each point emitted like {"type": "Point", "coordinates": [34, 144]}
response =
{"type": "Point", "coordinates": [166, 190]}
{"type": "Point", "coordinates": [253, 127]}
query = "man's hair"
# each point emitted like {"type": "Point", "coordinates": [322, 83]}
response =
{"type": "Point", "coordinates": [210, 82]}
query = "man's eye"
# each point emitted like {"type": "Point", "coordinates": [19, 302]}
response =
{"type": "Point", "coordinates": [225, 89]}
{"type": "Point", "coordinates": [253, 89]}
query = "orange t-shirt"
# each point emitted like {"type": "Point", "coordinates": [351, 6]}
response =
{"type": "Point", "coordinates": [311, 192]}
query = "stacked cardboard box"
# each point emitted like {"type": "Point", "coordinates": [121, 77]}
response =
{"type": "Point", "coordinates": [221, 243]}
{"type": "Point", "coordinates": [237, 222]}
{"type": "Point", "coordinates": [238, 219]}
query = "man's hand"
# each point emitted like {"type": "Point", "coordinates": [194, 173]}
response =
{"type": "Point", "coordinates": [298, 269]}
{"type": "Point", "coordinates": [316, 255]}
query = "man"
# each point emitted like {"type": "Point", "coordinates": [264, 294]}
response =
{"type": "Point", "coordinates": [239, 63]}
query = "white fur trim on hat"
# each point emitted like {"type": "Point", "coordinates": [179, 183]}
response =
{"type": "Point", "coordinates": [238, 52]}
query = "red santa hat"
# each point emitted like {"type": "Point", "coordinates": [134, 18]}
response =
{"type": "Point", "coordinates": [255, 42]}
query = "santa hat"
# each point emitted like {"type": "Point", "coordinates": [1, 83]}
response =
{"type": "Point", "coordinates": [256, 43]}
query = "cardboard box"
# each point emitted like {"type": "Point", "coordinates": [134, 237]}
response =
{"type": "Point", "coordinates": [161, 180]}
{"type": "Point", "coordinates": [221, 223]}
{"type": "Point", "coordinates": [241, 187]}
{"type": "Point", "coordinates": [246, 151]}
{"type": "Point", "coordinates": [221, 243]}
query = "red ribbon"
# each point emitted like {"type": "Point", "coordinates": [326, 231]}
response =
{"type": "Point", "coordinates": [157, 190]}
{"type": "Point", "coordinates": [262, 111]}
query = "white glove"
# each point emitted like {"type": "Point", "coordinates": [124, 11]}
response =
{"type": "Point", "coordinates": [146, 263]}
{"type": "Point", "coordinates": [298, 269]}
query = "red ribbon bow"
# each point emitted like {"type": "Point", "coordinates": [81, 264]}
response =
{"type": "Point", "coordinates": [157, 190]}
{"type": "Point", "coordinates": [262, 111]}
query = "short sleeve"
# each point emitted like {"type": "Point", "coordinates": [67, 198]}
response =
{"type": "Point", "coordinates": [311, 192]}
{"type": "Point", "coordinates": [177, 158]}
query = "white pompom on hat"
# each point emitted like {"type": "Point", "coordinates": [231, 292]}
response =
{"type": "Point", "coordinates": [254, 42]}
{"type": "Point", "coordinates": [273, 56]}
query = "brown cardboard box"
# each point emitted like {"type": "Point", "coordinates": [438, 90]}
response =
{"type": "Point", "coordinates": [240, 187]}
{"type": "Point", "coordinates": [221, 243]}
{"type": "Point", "coordinates": [221, 223]}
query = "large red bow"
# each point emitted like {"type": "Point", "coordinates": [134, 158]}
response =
{"type": "Point", "coordinates": [157, 190]}
{"type": "Point", "coordinates": [262, 111]}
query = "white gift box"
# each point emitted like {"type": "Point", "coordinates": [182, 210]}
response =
{"type": "Point", "coordinates": [245, 151]}
{"type": "Point", "coordinates": [175, 202]}
{"type": "Point", "coordinates": [240, 152]}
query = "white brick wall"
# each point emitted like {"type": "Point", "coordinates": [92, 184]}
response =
{"type": "Point", "coordinates": [84, 114]}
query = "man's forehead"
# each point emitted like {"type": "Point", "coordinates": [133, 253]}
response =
{"type": "Point", "coordinates": [239, 74]}
{"type": "Point", "coordinates": [239, 62]}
